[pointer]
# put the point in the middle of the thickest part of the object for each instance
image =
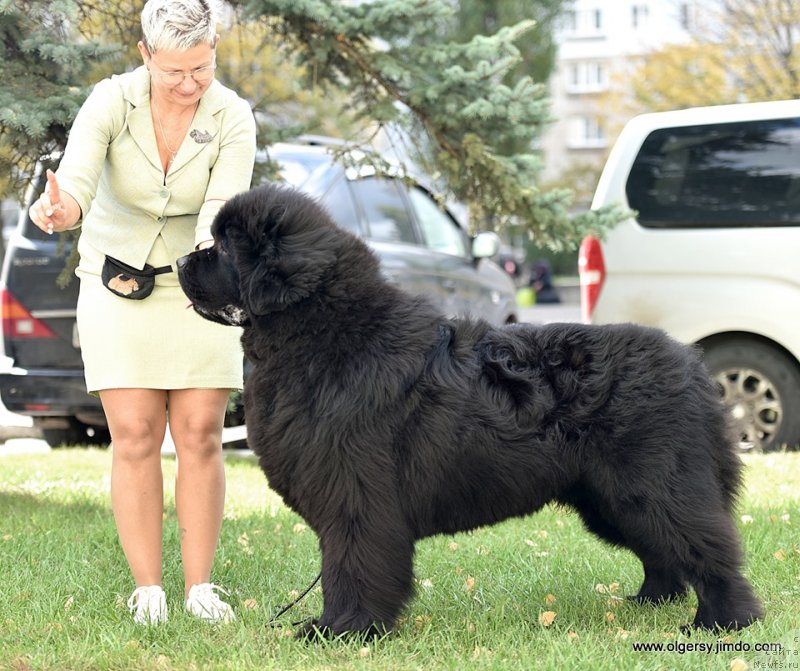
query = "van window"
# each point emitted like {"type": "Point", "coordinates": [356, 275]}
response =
{"type": "Point", "coordinates": [721, 175]}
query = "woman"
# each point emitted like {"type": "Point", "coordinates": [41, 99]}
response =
{"type": "Point", "coordinates": [152, 156]}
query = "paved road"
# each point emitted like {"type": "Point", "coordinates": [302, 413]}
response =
{"type": "Point", "coordinates": [548, 314]}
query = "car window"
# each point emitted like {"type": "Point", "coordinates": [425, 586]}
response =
{"type": "Point", "coordinates": [384, 210]}
{"type": "Point", "coordinates": [728, 174]}
{"type": "Point", "coordinates": [339, 202]}
{"type": "Point", "coordinates": [439, 231]}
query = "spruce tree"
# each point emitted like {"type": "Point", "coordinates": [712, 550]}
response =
{"type": "Point", "coordinates": [43, 81]}
{"type": "Point", "coordinates": [452, 97]}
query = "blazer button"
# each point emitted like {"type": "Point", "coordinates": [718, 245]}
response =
{"type": "Point", "coordinates": [164, 193]}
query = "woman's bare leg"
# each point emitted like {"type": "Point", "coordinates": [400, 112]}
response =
{"type": "Point", "coordinates": [137, 421]}
{"type": "Point", "coordinates": [195, 420]}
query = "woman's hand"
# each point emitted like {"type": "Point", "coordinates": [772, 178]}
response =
{"type": "Point", "coordinates": [50, 212]}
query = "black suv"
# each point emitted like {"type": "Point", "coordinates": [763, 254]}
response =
{"type": "Point", "coordinates": [422, 248]}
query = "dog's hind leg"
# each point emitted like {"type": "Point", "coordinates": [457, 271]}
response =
{"type": "Point", "coordinates": [725, 597]}
{"type": "Point", "coordinates": [688, 541]}
{"type": "Point", "coordinates": [662, 582]}
{"type": "Point", "coordinates": [700, 547]}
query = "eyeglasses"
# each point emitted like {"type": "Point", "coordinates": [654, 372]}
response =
{"type": "Point", "coordinates": [200, 75]}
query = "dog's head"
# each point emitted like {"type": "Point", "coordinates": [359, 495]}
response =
{"type": "Point", "coordinates": [273, 245]}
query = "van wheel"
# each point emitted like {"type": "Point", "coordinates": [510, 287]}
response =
{"type": "Point", "coordinates": [761, 386]}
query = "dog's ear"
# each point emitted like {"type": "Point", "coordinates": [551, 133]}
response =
{"type": "Point", "coordinates": [283, 243]}
{"type": "Point", "coordinates": [289, 268]}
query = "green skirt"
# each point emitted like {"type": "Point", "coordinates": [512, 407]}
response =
{"type": "Point", "coordinates": [155, 343]}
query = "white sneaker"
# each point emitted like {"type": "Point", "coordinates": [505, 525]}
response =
{"type": "Point", "coordinates": [148, 605]}
{"type": "Point", "coordinates": [204, 603]}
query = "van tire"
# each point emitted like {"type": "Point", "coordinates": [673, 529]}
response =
{"type": "Point", "coordinates": [739, 365]}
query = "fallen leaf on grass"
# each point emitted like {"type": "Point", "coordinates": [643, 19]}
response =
{"type": "Point", "coordinates": [739, 665]}
{"type": "Point", "coordinates": [469, 584]}
{"type": "Point", "coordinates": [481, 652]}
{"type": "Point", "coordinates": [780, 555]}
{"type": "Point", "coordinates": [547, 617]}
{"type": "Point", "coordinates": [250, 604]}
{"type": "Point", "coordinates": [550, 599]}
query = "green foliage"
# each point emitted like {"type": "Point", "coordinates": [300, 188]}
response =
{"type": "Point", "coordinates": [537, 50]}
{"type": "Point", "coordinates": [43, 70]}
{"type": "Point", "coordinates": [456, 112]}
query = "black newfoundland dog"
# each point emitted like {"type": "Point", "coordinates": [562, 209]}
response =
{"type": "Point", "coordinates": [381, 421]}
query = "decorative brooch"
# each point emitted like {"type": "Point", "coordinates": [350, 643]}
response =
{"type": "Point", "coordinates": [200, 136]}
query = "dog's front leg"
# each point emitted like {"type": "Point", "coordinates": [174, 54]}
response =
{"type": "Point", "coordinates": [367, 575]}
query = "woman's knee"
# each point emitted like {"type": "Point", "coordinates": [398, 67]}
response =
{"type": "Point", "coordinates": [137, 419]}
{"type": "Point", "coordinates": [195, 421]}
{"type": "Point", "coordinates": [137, 439]}
{"type": "Point", "coordinates": [198, 436]}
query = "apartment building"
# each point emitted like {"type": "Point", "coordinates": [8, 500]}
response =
{"type": "Point", "coordinates": [598, 42]}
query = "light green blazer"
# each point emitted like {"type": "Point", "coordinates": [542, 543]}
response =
{"type": "Point", "coordinates": [112, 168]}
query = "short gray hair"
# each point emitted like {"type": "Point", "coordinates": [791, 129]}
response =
{"type": "Point", "coordinates": [178, 24]}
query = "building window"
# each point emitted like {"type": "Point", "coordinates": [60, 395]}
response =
{"type": "Point", "coordinates": [640, 14]}
{"type": "Point", "coordinates": [586, 77]}
{"type": "Point", "coordinates": [587, 133]}
{"type": "Point", "coordinates": [583, 23]}
{"type": "Point", "coordinates": [684, 16]}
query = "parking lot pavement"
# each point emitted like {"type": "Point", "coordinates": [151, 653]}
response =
{"type": "Point", "coordinates": [547, 313]}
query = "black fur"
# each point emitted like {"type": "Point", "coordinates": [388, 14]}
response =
{"type": "Point", "coordinates": [381, 421]}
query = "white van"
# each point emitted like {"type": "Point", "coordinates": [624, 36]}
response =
{"type": "Point", "coordinates": [712, 254]}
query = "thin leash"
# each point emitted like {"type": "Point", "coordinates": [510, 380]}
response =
{"type": "Point", "coordinates": [287, 607]}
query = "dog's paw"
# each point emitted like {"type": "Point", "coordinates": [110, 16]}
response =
{"type": "Point", "coordinates": [657, 599]}
{"type": "Point", "coordinates": [313, 631]}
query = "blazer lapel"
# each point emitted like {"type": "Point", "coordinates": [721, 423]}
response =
{"type": "Point", "coordinates": [136, 90]}
{"type": "Point", "coordinates": [203, 129]}
{"type": "Point", "coordinates": [140, 125]}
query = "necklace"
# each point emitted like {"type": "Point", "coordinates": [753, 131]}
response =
{"type": "Point", "coordinates": [172, 152]}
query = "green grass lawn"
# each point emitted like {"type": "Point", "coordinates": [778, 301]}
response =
{"type": "Point", "coordinates": [534, 593]}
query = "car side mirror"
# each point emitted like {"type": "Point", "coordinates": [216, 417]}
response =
{"type": "Point", "coordinates": [485, 245]}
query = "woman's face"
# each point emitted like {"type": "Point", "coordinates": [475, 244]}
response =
{"type": "Point", "coordinates": [180, 77]}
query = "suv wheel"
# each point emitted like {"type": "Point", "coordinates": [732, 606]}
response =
{"type": "Point", "coordinates": [761, 386]}
{"type": "Point", "coordinates": [75, 433]}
